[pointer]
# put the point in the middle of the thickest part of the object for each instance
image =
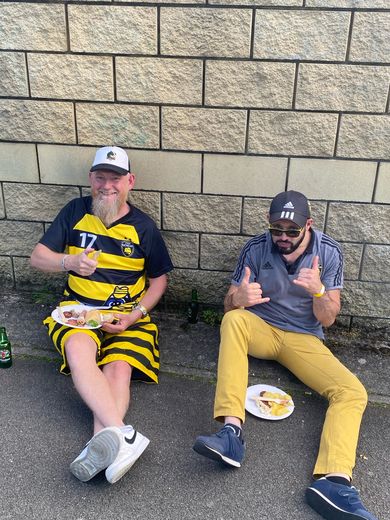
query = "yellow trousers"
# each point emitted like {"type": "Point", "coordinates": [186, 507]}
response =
{"type": "Point", "coordinates": [243, 333]}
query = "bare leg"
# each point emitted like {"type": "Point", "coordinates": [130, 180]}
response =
{"type": "Point", "coordinates": [343, 475]}
{"type": "Point", "coordinates": [90, 382]}
{"type": "Point", "coordinates": [233, 420]}
{"type": "Point", "coordinates": [118, 375]}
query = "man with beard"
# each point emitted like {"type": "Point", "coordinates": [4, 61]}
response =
{"type": "Point", "coordinates": [115, 257]}
{"type": "Point", "coordinates": [285, 288]}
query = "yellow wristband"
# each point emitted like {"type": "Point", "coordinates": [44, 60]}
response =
{"type": "Point", "coordinates": [321, 293]}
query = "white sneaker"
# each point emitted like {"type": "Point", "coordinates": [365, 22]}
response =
{"type": "Point", "coordinates": [132, 445]}
{"type": "Point", "coordinates": [99, 453]}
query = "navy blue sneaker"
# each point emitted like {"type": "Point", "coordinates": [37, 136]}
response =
{"type": "Point", "coordinates": [336, 501]}
{"type": "Point", "coordinates": [223, 446]}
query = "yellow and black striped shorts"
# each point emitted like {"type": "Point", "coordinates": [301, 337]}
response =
{"type": "Point", "coordinates": [137, 345]}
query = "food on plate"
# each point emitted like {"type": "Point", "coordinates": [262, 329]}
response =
{"type": "Point", "coordinates": [107, 317]}
{"type": "Point", "coordinates": [95, 317]}
{"type": "Point", "coordinates": [91, 318]}
{"type": "Point", "coordinates": [277, 405]}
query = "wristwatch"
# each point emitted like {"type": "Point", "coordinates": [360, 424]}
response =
{"type": "Point", "coordinates": [141, 308]}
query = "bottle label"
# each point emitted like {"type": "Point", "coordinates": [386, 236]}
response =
{"type": "Point", "coordinates": [5, 356]}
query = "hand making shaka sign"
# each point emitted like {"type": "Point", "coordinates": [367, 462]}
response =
{"type": "Point", "coordinates": [309, 278]}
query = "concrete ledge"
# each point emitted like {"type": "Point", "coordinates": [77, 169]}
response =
{"type": "Point", "coordinates": [191, 350]}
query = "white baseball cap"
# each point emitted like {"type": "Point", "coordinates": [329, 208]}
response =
{"type": "Point", "coordinates": [111, 158]}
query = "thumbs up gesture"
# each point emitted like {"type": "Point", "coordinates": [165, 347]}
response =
{"type": "Point", "coordinates": [248, 293]}
{"type": "Point", "coordinates": [309, 278]}
{"type": "Point", "coordinates": [82, 263]}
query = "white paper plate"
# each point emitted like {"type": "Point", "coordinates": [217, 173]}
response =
{"type": "Point", "coordinates": [251, 407]}
{"type": "Point", "coordinates": [78, 308]}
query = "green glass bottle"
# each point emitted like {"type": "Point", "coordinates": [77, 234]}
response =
{"type": "Point", "coordinates": [193, 307]}
{"type": "Point", "coordinates": [5, 349]}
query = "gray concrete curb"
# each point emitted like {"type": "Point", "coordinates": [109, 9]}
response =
{"type": "Point", "coordinates": [191, 350]}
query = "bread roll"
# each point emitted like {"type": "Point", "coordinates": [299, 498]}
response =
{"type": "Point", "coordinates": [107, 317]}
{"type": "Point", "coordinates": [93, 315]}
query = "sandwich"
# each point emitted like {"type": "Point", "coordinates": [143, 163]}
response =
{"type": "Point", "coordinates": [272, 403]}
{"type": "Point", "coordinates": [94, 318]}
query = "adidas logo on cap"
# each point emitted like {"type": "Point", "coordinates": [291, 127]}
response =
{"type": "Point", "coordinates": [290, 205]}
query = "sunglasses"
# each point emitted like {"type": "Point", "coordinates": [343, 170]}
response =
{"type": "Point", "coordinates": [292, 233]}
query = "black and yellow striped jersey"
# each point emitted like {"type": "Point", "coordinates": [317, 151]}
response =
{"type": "Point", "coordinates": [132, 249]}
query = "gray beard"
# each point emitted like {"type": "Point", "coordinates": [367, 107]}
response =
{"type": "Point", "coordinates": [107, 213]}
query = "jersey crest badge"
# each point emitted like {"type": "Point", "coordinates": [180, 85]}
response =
{"type": "Point", "coordinates": [127, 248]}
{"type": "Point", "coordinates": [120, 296]}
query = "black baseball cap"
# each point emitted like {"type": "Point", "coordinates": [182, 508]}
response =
{"type": "Point", "coordinates": [290, 205]}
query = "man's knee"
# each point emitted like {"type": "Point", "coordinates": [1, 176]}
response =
{"type": "Point", "coordinates": [80, 349]}
{"type": "Point", "coordinates": [361, 394]}
{"type": "Point", "coordinates": [234, 324]}
{"type": "Point", "coordinates": [236, 317]}
{"type": "Point", "coordinates": [235, 331]}
{"type": "Point", "coordinates": [118, 370]}
{"type": "Point", "coordinates": [351, 392]}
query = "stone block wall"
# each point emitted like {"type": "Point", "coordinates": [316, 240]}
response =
{"type": "Point", "coordinates": [221, 104]}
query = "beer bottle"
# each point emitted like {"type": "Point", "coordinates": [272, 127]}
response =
{"type": "Point", "coordinates": [193, 307]}
{"type": "Point", "coordinates": [5, 349]}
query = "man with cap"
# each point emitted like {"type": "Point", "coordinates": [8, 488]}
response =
{"type": "Point", "coordinates": [115, 258]}
{"type": "Point", "coordinates": [285, 288]}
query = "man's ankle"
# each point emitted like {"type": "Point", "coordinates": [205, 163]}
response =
{"type": "Point", "coordinates": [237, 430]}
{"type": "Point", "coordinates": [233, 420]}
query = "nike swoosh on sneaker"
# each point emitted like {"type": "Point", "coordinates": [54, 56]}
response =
{"type": "Point", "coordinates": [132, 439]}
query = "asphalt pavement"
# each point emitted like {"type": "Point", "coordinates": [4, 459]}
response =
{"type": "Point", "coordinates": [44, 425]}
